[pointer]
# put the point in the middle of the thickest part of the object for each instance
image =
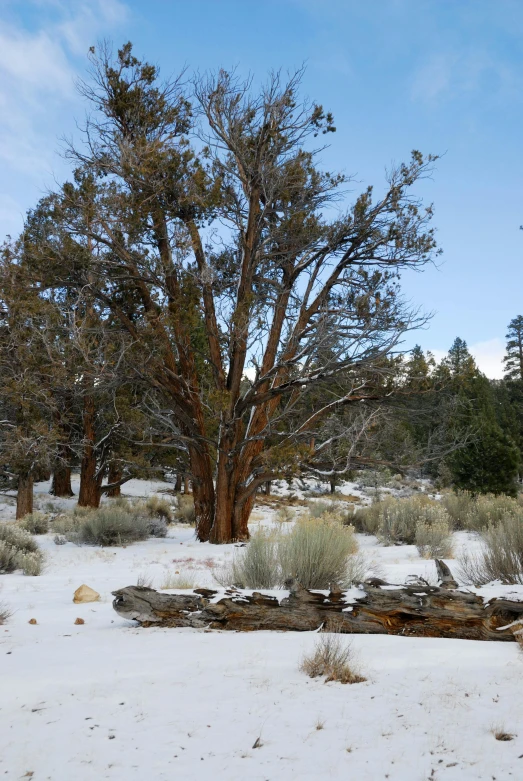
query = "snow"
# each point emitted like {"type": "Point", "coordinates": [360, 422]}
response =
{"type": "Point", "coordinates": [109, 700]}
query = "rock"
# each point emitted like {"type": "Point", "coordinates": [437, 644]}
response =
{"type": "Point", "coordinates": [79, 621]}
{"type": "Point", "coordinates": [85, 594]}
{"type": "Point", "coordinates": [32, 621]}
{"type": "Point", "coordinates": [59, 539]}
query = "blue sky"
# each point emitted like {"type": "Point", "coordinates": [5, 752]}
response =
{"type": "Point", "coordinates": [442, 76]}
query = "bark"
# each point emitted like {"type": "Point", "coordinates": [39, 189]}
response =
{"type": "Point", "coordinates": [333, 486]}
{"type": "Point", "coordinates": [114, 475]}
{"type": "Point", "coordinates": [90, 479]}
{"type": "Point", "coordinates": [267, 488]}
{"type": "Point", "coordinates": [61, 485]}
{"type": "Point", "coordinates": [178, 484]}
{"type": "Point", "coordinates": [186, 487]}
{"type": "Point", "coordinates": [416, 610]}
{"type": "Point", "coordinates": [24, 496]}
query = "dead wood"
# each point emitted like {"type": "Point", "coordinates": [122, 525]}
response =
{"type": "Point", "coordinates": [414, 610]}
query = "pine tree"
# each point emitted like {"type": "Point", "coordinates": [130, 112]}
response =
{"type": "Point", "coordinates": [513, 359]}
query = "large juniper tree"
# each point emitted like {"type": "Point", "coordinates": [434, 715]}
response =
{"type": "Point", "coordinates": [216, 244]}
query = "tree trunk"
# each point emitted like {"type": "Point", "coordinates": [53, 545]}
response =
{"type": "Point", "coordinates": [24, 496]}
{"type": "Point", "coordinates": [178, 483]}
{"type": "Point", "coordinates": [333, 486]}
{"type": "Point", "coordinates": [115, 474]}
{"type": "Point", "coordinates": [90, 482]}
{"type": "Point", "coordinates": [412, 611]}
{"type": "Point", "coordinates": [186, 485]}
{"type": "Point", "coordinates": [267, 488]}
{"type": "Point", "coordinates": [61, 485]}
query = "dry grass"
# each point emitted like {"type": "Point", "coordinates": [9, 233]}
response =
{"type": "Point", "coordinates": [180, 580]}
{"type": "Point", "coordinates": [332, 659]}
{"type": "Point", "coordinates": [5, 614]}
{"type": "Point", "coordinates": [500, 733]}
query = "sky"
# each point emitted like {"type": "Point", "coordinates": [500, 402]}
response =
{"type": "Point", "coordinates": [441, 76]}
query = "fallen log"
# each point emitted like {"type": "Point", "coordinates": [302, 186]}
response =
{"type": "Point", "coordinates": [415, 609]}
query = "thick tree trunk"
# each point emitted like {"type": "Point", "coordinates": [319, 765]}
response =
{"type": "Point", "coordinates": [412, 611]}
{"type": "Point", "coordinates": [114, 475]}
{"type": "Point", "coordinates": [267, 488]}
{"type": "Point", "coordinates": [61, 485]}
{"type": "Point", "coordinates": [24, 496]}
{"type": "Point", "coordinates": [178, 484]}
{"type": "Point", "coordinates": [333, 486]}
{"type": "Point", "coordinates": [89, 494]}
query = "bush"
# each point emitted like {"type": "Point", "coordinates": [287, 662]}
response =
{"type": "Point", "coordinates": [184, 511]}
{"type": "Point", "coordinates": [399, 518]}
{"type": "Point", "coordinates": [159, 507]}
{"type": "Point", "coordinates": [35, 523]}
{"type": "Point", "coordinates": [18, 550]}
{"type": "Point", "coordinates": [331, 658]}
{"type": "Point", "coordinates": [458, 505]}
{"type": "Point", "coordinates": [433, 539]}
{"type": "Point", "coordinates": [110, 526]}
{"type": "Point", "coordinates": [501, 557]}
{"type": "Point", "coordinates": [488, 510]}
{"type": "Point", "coordinates": [316, 552]}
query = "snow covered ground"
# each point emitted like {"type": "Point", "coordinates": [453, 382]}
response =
{"type": "Point", "coordinates": [109, 700]}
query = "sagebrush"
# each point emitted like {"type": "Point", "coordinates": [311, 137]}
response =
{"type": "Point", "coordinates": [18, 550]}
{"type": "Point", "coordinates": [500, 557]}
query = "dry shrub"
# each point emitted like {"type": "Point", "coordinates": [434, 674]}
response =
{"type": "Point", "coordinates": [285, 515]}
{"type": "Point", "coordinates": [501, 556]}
{"type": "Point", "coordinates": [434, 539]}
{"type": "Point", "coordinates": [458, 505]}
{"type": "Point", "coordinates": [35, 523]}
{"type": "Point", "coordinates": [109, 526]}
{"type": "Point", "coordinates": [331, 658]}
{"type": "Point", "coordinates": [316, 552]}
{"type": "Point", "coordinates": [255, 566]}
{"type": "Point", "coordinates": [399, 518]}
{"type": "Point", "coordinates": [488, 509]}
{"type": "Point", "coordinates": [18, 550]}
{"type": "Point", "coordinates": [158, 506]}
{"type": "Point", "coordinates": [184, 511]}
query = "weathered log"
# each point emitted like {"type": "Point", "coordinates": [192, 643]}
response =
{"type": "Point", "coordinates": [414, 610]}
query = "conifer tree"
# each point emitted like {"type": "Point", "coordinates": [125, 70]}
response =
{"type": "Point", "coordinates": [513, 359]}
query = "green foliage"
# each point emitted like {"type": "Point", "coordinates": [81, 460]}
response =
{"type": "Point", "coordinates": [488, 464]}
{"type": "Point", "coordinates": [514, 354]}
{"type": "Point", "coordinates": [18, 550]}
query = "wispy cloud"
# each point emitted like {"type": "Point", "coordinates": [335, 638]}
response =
{"type": "Point", "coordinates": [37, 71]}
{"type": "Point", "coordinates": [454, 73]}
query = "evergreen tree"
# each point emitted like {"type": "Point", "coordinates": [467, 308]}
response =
{"type": "Point", "coordinates": [513, 359]}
